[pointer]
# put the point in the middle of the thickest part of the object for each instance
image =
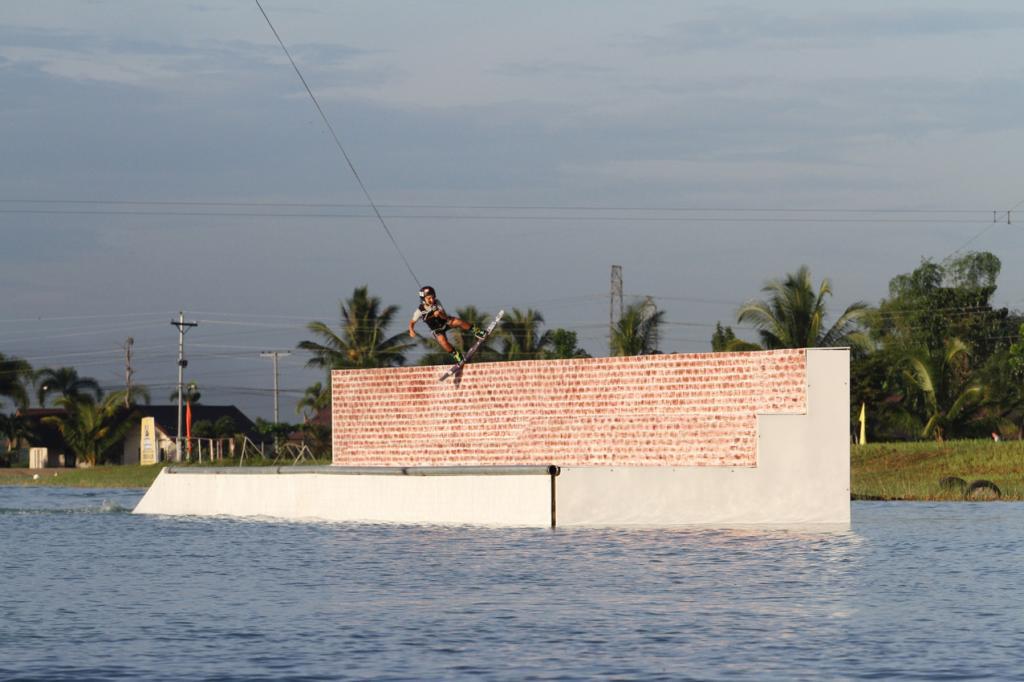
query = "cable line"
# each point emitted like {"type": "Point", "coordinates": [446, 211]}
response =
{"type": "Point", "coordinates": [337, 141]}
{"type": "Point", "coordinates": [997, 218]}
{"type": "Point", "coordinates": [508, 207]}
{"type": "Point", "coordinates": [680, 219]}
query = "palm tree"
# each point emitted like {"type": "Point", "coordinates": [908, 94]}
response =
{"type": "Point", "coordinates": [316, 399]}
{"type": "Point", "coordinates": [794, 315]}
{"type": "Point", "coordinates": [13, 430]}
{"type": "Point", "coordinates": [521, 336]}
{"type": "Point", "coordinates": [189, 394]}
{"type": "Point", "coordinates": [361, 342]}
{"type": "Point", "coordinates": [91, 428]}
{"type": "Point", "coordinates": [64, 382]}
{"type": "Point", "coordinates": [636, 332]}
{"type": "Point", "coordinates": [945, 384]}
{"type": "Point", "coordinates": [14, 372]}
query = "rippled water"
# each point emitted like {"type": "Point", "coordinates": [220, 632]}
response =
{"type": "Point", "coordinates": [912, 590]}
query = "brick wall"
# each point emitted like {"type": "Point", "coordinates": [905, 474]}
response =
{"type": "Point", "coordinates": [658, 410]}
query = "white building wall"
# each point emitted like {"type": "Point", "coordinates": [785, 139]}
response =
{"type": "Point", "coordinates": [802, 474]}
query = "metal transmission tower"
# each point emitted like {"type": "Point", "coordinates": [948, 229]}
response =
{"type": "Point", "coordinates": [615, 308]}
{"type": "Point", "coordinates": [183, 327]}
{"type": "Point", "coordinates": [274, 354]}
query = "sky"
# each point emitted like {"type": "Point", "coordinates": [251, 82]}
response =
{"type": "Point", "coordinates": [164, 156]}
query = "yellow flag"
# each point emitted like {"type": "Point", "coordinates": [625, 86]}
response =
{"type": "Point", "coordinates": [863, 424]}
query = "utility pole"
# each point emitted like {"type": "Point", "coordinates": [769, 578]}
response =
{"type": "Point", "coordinates": [128, 371]}
{"type": "Point", "coordinates": [274, 354]}
{"type": "Point", "coordinates": [615, 307]}
{"type": "Point", "coordinates": [183, 327]}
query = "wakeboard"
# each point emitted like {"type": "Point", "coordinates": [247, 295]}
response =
{"type": "Point", "coordinates": [468, 355]}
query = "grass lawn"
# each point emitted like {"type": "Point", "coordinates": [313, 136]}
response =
{"type": "Point", "coordinates": [912, 471]}
{"type": "Point", "coordinates": [131, 476]}
{"type": "Point", "coordinates": [878, 471]}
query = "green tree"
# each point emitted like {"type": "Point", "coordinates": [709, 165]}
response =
{"type": "Point", "coordinates": [925, 310]}
{"type": "Point", "coordinates": [721, 338]}
{"type": "Point", "coordinates": [202, 429]}
{"type": "Point", "coordinates": [521, 336]}
{"type": "Point", "coordinates": [1005, 393]}
{"type": "Point", "coordinates": [361, 342]}
{"type": "Point", "coordinates": [563, 346]}
{"type": "Point", "coordinates": [225, 427]}
{"type": "Point", "coordinates": [936, 302]}
{"type": "Point", "coordinates": [318, 438]}
{"type": "Point", "coordinates": [1015, 359]}
{"type": "Point", "coordinates": [877, 381]}
{"type": "Point", "coordinates": [793, 316]}
{"type": "Point", "coordinates": [275, 432]}
{"type": "Point", "coordinates": [64, 382]}
{"type": "Point", "coordinates": [637, 331]}
{"type": "Point", "coordinates": [14, 372]}
{"type": "Point", "coordinates": [92, 428]}
{"type": "Point", "coordinates": [724, 340]}
{"type": "Point", "coordinates": [949, 392]}
{"type": "Point", "coordinates": [221, 430]}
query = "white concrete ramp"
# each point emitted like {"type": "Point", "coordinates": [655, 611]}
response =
{"type": "Point", "coordinates": [501, 496]}
{"type": "Point", "coordinates": [801, 476]}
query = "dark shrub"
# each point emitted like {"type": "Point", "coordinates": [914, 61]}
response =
{"type": "Point", "coordinates": [953, 484]}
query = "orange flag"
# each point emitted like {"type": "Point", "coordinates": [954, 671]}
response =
{"type": "Point", "coordinates": [188, 427]}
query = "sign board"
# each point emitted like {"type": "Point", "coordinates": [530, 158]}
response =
{"type": "Point", "coordinates": [37, 458]}
{"type": "Point", "coordinates": [147, 444]}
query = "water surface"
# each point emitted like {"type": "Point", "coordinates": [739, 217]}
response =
{"type": "Point", "coordinates": [914, 590]}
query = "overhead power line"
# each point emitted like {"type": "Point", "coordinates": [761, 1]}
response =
{"type": "Point", "coordinates": [508, 217]}
{"type": "Point", "coordinates": [40, 353]}
{"type": "Point", "coordinates": [80, 317]}
{"type": "Point", "coordinates": [997, 218]}
{"type": "Point", "coordinates": [507, 207]}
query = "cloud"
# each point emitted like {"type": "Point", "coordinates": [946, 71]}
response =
{"type": "Point", "coordinates": [546, 68]}
{"type": "Point", "coordinates": [738, 175]}
{"type": "Point", "coordinates": [102, 67]}
{"type": "Point", "coordinates": [738, 27]}
{"type": "Point", "coordinates": [915, 107]}
{"type": "Point", "coordinates": [326, 54]}
{"type": "Point", "coordinates": [154, 64]}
